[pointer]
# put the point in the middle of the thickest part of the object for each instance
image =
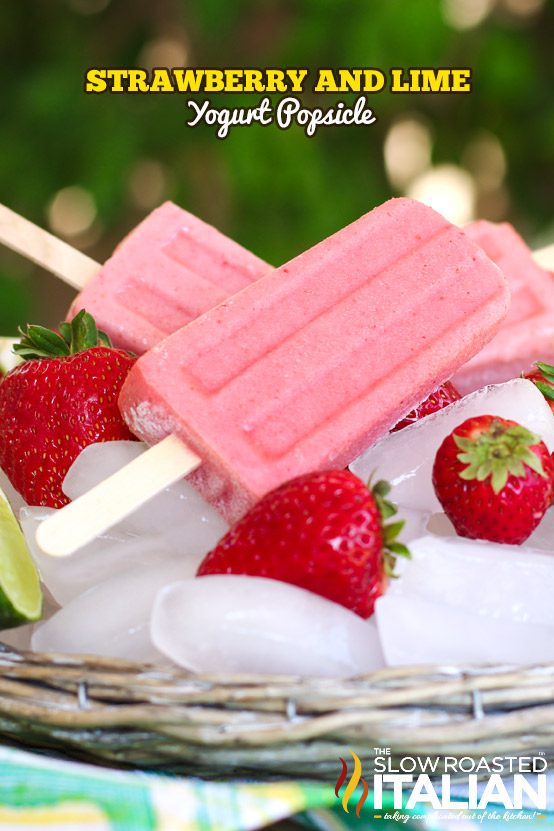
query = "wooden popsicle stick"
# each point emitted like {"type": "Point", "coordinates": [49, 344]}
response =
{"type": "Point", "coordinates": [116, 497]}
{"type": "Point", "coordinates": [53, 254]}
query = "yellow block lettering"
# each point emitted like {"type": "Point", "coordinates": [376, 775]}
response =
{"type": "Point", "coordinates": [398, 84]}
{"type": "Point", "coordinates": [253, 80]}
{"type": "Point", "coordinates": [415, 75]}
{"type": "Point", "coordinates": [233, 80]}
{"type": "Point", "coordinates": [374, 80]}
{"type": "Point", "coordinates": [297, 77]}
{"type": "Point", "coordinates": [326, 81]}
{"type": "Point", "coordinates": [188, 80]}
{"type": "Point", "coordinates": [275, 80]}
{"type": "Point", "coordinates": [161, 82]}
{"type": "Point", "coordinates": [435, 80]}
{"type": "Point", "coordinates": [214, 80]}
{"type": "Point", "coordinates": [350, 80]}
{"type": "Point", "coordinates": [95, 80]}
{"type": "Point", "coordinates": [138, 80]}
{"type": "Point", "coordinates": [461, 80]}
{"type": "Point", "coordinates": [117, 76]}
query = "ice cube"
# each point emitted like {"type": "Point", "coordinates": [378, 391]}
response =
{"type": "Point", "coordinates": [112, 618]}
{"type": "Point", "coordinates": [98, 461]}
{"type": "Point", "coordinates": [108, 555]}
{"type": "Point", "coordinates": [405, 459]}
{"type": "Point", "coordinates": [415, 523]}
{"type": "Point", "coordinates": [229, 623]}
{"type": "Point", "coordinates": [417, 631]}
{"type": "Point", "coordinates": [187, 522]}
{"type": "Point", "coordinates": [501, 582]}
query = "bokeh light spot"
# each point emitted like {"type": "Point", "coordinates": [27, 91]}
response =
{"type": "Point", "coordinates": [523, 8]}
{"type": "Point", "coordinates": [147, 184]}
{"type": "Point", "coordinates": [485, 158]}
{"type": "Point", "coordinates": [163, 52]}
{"type": "Point", "coordinates": [466, 14]}
{"type": "Point", "coordinates": [71, 212]}
{"type": "Point", "coordinates": [448, 189]}
{"type": "Point", "coordinates": [407, 151]}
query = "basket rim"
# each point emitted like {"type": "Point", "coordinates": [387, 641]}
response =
{"type": "Point", "coordinates": [111, 711]}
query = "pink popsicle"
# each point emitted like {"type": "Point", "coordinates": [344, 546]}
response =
{"type": "Point", "coordinates": [527, 333]}
{"type": "Point", "coordinates": [308, 366]}
{"type": "Point", "coordinates": [167, 271]}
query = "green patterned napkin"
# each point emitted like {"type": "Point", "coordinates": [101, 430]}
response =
{"type": "Point", "coordinates": [38, 792]}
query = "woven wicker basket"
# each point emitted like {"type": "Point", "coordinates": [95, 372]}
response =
{"type": "Point", "coordinates": [129, 715]}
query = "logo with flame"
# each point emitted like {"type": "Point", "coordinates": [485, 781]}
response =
{"type": "Point", "coordinates": [353, 783]}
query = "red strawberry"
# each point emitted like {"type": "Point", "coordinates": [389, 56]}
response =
{"type": "Point", "coordinates": [62, 398]}
{"type": "Point", "coordinates": [543, 378]}
{"type": "Point", "coordinates": [322, 531]}
{"type": "Point", "coordinates": [442, 397]}
{"type": "Point", "coordinates": [494, 479]}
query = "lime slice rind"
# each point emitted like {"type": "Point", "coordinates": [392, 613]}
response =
{"type": "Point", "coordinates": [20, 592]}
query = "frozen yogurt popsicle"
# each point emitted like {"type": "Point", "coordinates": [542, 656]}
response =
{"type": "Point", "coordinates": [527, 333]}
{"type": "Point", "coordinates": [167, 271]}
{"type": "Point", "coordinates": [318, 359]}
{"type": "Point", "coordinates": [305, 368]}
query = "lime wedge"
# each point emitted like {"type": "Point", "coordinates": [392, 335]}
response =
{"type": "Point", "coordinates": [20, 593]}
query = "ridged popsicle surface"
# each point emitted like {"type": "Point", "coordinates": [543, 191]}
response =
{"type": "Point", "coordinates": [527, 333]}
{"type": "Point", "coordinates": [311, 364]}
{"type": "Point", "coordinates": [169, 270]}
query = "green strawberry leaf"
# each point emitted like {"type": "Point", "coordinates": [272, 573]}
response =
{"type": "Point", "coordinates": [546, 389]}
{"type": "Point", "coordinates": [39, 342]}
{"type": "Point", "coordinates": [391, 547]}
{"type": "Point", "coordinates": [104, 339]}
{"type": "Point", "coordinates": [65, 332]}
{"type": "Point", "coordinates": [546, 369]}
{"type": "Point", "coordinates": [499, 452]}
{"type": "Point", "coordinates": [76, 336]}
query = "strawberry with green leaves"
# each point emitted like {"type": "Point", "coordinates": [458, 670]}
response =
{"type": "Point", "coordinates": [325, 532]}
{"type": "Point", "coordinates": [62, 398]}
{"type": "Point", "coordinates": [543, 378]}
{"type": "Point", "coordinates": [494, 479]}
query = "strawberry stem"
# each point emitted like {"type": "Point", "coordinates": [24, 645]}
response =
{"type": "Point", "coordinates": [391, 547]}
{"type": "Point", "coordinates": [75, 336]}
{"type": "Point", "coordinates": [498, 452]}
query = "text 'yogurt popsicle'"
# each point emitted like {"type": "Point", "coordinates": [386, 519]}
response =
{"type": "Point", "coordinates": [306, 367]}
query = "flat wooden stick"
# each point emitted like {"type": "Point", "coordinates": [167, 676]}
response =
{"type": "Point", "coordinates": [116, 497]}
{"type": "Point", "coordinates": [36, 244]}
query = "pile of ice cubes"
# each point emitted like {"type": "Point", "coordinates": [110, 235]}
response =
{"type": "Point", "coordinates": [132, 593]}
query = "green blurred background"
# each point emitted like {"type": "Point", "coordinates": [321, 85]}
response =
{"type": "Point", "coordinates": [90, 167]}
